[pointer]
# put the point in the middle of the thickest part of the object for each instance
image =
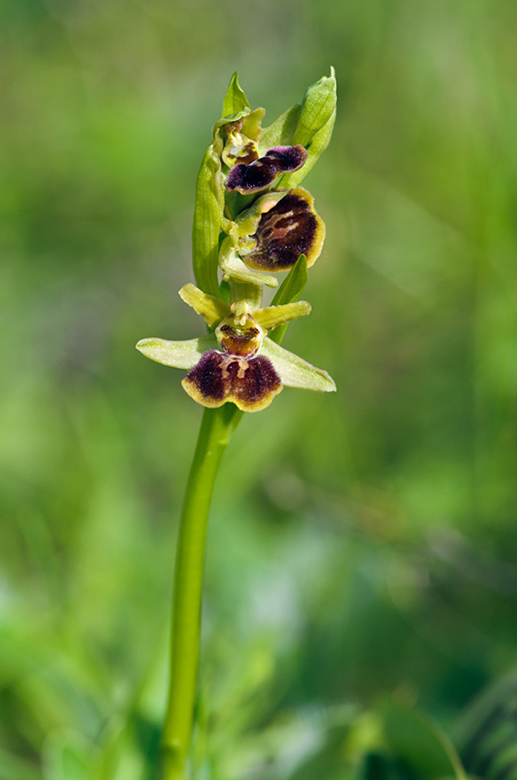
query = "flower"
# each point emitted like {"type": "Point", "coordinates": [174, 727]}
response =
{"type": "Point", "coordinates": [258, 174]}
{"type": "Point", "coordinates": [290, 229]}
{"type": "Point", "coordinates": [271, 235]}
{"type": "Point", "coordinates": [237, 363]}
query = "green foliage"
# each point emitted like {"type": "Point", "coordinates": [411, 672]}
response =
{"type": "Point", "coordinates": [421, 745]}
{"type": "Point", "coordinates": [290, 290]}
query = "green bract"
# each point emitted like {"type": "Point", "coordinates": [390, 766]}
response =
{"type": "Point", "coordinates": [251, 219]}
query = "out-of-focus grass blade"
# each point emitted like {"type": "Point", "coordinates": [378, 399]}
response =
{"type": "Point", "coordinates": [419, 742]}
{"type": "Point", "coordinates": [487, 734]}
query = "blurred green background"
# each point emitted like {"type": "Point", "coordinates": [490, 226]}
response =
{"type": "Point", "coordinates": [360, 543]}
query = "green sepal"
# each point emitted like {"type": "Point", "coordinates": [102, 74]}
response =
{"type": "Point", "coordinates": [288, 291]}
{"type": "Point", "coordinates": [295, 372]}
{"type": "Point", "coordinates": [281, 132]}
{"type": "Point", "coordinates": [208, 220]}
{"type": "Point", "coordinates": [212, 309]}
{"type": "Point", "coordinates": [315, 125]}
{"type": "Point", "coordinates": [233, 267]}
{"type": "Point", "coordinates": [178, 354]}
{"type": "Point", "coordinates": [273, 316]}
{"type": "Point", "coordinates": [235, 99]}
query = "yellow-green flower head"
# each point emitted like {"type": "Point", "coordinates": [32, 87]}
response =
{"type": "Point", "coordinates": [237, 363]}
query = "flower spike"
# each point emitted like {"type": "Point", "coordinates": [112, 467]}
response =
{"type": "Point", "coordinates": [245, 231]}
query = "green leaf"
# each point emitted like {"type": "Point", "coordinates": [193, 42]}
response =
{"type": "Point", "coordinates": [288, 291]}
{"type": "Point", "coordinates": [293, 283]}
{"type": "Point", "coordinates": [415, 739]}
{"type": "Point", "coordinates": [295, 372]}
{"type": "Point", "coordinates": [281, 132]}
{"type": "Point", "coordinates": [212, 309]}
{"type": "Point", "coordinates": [235, 100]}
{"type": "Point", "coordinates": [178, 354]}
{"type": "Point", "coordinates": [208, 219]}
{"type": "Point", "coordinates": [503, 760]}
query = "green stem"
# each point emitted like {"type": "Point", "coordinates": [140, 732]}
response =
{"type": "Point", "coordinates": [215, 433]}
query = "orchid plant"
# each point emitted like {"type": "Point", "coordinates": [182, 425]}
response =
{"type": "Point", "coordinates": [252, 220]}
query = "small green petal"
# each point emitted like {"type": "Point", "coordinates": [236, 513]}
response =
{"type": "Point", "coordinates": [212, 309]}
{"type": "Point", "coordinates": [178, 354]}
{"type": "Point", "coordinates": [235, 99]}
{"type": "Point", "coordinates": [273, 316]}
{"type": "Point", "coordinates": [295, 372]}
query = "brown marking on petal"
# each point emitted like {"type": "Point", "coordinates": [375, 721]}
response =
{"type": "Point", "coordinates": [251, 383]}
{"type": "Point", "coordinates": [238, 147]}
{"type": "Point", "coordinates": [258, 387]}
{"type": "Point", "coordinates": [253, 177]}
{"type": "Point", "coordinates": [288, 230]}
{"type": "Point", "coordinates": [206, 382]}
{"type": "Point", "coordinates": [259, 174]}
{"type": "Point", "coordinates": [239, 342]}
{"type": "Point", "coordinates": [249, 154]}
{"type": "Point", "coordinates": [288, 158]}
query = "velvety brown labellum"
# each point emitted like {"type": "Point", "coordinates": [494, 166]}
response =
{"type": "Point", "coordinates": [251, 383]}
{"type": "Point", "coordinates": [290, 229]}
{"type": "Point", "coordinates": [261, 173]}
